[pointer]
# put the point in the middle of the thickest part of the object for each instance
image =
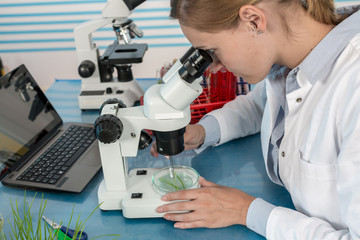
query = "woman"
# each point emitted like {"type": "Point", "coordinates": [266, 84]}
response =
{"type": "Point", "coordinates": [305, 61]}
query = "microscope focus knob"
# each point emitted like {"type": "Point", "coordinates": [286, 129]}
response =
{"type": "Point", "coordinates": [108, 128]}
{"type": "Point", "coordinates": [86, 68]}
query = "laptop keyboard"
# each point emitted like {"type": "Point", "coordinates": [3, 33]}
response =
{"type": "Point", "coordinates": [60, 156]}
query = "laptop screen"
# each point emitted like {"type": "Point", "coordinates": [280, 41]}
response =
{"type": "Point", "coordinates": [26, 116]}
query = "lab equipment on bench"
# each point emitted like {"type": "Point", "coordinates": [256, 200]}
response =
{"type": "Point", "coordinates": [96, 72]}
{"type": "Point", "coordinates": [64, 233]}
{"type": "Point", "coordinates": [120, 131]}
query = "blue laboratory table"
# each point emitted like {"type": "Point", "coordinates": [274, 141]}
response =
{"type": "Point", "coordinates": [237, 164]}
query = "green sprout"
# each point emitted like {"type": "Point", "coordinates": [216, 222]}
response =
{"type": "Point", "coordinates": [173, 183]}
{"type": "Point", "coordinates": [22, 227]}
{"type": "Point", "coordinates": [1, 224]}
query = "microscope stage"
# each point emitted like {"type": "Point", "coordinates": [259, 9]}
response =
{"type": "Point", "coordinates": [124, 53]}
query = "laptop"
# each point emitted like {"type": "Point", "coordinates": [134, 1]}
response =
{"type": "Point", "coordinates": [37, 149]}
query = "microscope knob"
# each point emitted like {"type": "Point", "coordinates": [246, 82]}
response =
{"type": "Point", "coordinates": [108, 128]}
{"type": "Point", "coordinates": [145, 140]}
{"type": "Point", "coordinates": [86, 68]}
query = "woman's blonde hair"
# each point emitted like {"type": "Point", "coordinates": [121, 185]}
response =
{"type": "Point", "coordinates": [322, 11]}
{"type": "Point", "coordinates": [215, 15]}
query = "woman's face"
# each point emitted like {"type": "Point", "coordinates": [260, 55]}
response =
{"type": "Point", "coordinates": [245, 53]}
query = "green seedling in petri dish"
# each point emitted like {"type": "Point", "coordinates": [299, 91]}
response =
{"type": "Point", "coordinates": [173, 183]}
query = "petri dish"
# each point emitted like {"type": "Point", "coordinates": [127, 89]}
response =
{"type": "Point", "coordinates": [184, 178]}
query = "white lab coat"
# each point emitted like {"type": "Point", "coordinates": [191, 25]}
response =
{"type": "Point", "coordinates": [321, 145]}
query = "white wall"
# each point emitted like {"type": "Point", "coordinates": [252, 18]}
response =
{"type": "Point", "coordinates": [39, 34]}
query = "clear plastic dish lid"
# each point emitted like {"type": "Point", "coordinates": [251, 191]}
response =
{"type": "Point", "coordinates": [184, 178]}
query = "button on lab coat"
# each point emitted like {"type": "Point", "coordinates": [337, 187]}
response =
{"type": "Point", "coordinates": [319, 156]}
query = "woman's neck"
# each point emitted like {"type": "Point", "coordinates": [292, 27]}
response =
{"type": "Point", "coordinates": [305, 35]}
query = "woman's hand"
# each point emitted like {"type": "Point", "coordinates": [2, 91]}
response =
{"type": "Point", "coordinates": [211, 206]}
{"type": "Point", "coordinates": [194, 136]}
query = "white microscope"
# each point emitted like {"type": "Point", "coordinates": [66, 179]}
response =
{"type": "Point", "coordinates": [97, 81]}
{"type": "Point", "coordinates": [120, 131]}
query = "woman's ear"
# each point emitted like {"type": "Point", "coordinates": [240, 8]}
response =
{"type": "Point", "coordinates": [253, 16]}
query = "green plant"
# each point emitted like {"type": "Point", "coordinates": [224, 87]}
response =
{"type": "Point", "coordinates": [177, 185]}
{"type": "Point", "coordinates": [1, 224]}
{"type": "Point", "coordinates": [22, 227]}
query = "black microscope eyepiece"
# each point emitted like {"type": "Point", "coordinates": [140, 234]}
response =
{"type": "Point", "coordinates": [195, 62]}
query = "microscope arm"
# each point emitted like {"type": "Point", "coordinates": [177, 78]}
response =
{"type": "Point", "coordinates": [132, 122]}
{"type": "Point", "coordinates": [83, 33]}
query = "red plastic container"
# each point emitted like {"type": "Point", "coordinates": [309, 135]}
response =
{"type": "Point", "coordinates": [202, 105]}
{"type": "Point", "coordinates": [222, 85]}
{"type": "Point", "coordinates": [218, 89]}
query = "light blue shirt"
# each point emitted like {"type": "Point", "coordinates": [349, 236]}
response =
{"type": "Point", "coordinates": [284, 80]}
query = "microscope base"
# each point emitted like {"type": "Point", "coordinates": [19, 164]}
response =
{"type": "Point", "coordinates": [92, 96]}
{"type": "Point", "coordinates": [109, 200]}
{"type": "Point", "coordinates": [139, 201]}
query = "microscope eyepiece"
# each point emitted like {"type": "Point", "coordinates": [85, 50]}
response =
{"type": "Point", "coordinates": [195, 64]}
{"type": "Point", "coordinates": [188, 53]}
